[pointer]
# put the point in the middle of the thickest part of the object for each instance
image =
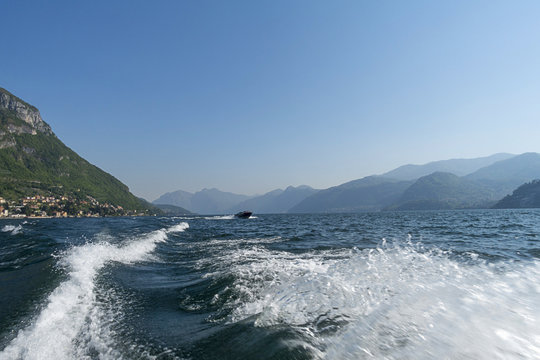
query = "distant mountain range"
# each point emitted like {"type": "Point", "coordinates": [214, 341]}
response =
{"type": "Point", "coordinates": [214, 201]}
{"type": "Point", "coordinates": [33, 161]}
{"type": "Point", "coordinates": [438, 190]}
{"type": "Point", "coordinates": [459, 167]}
{"type": "Point", "coordinates": [275, 202]}
{"type": "Point", "coordinates": [368, 194]}
{"type": "Point", "coordinates": [206, 201]}
{"type": "Point", "coordinates": [446, 184]}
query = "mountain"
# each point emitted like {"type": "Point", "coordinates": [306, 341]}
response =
{"type": "Point", "coordinates": [177, 198]}
{"type": "Point", "coordinates": [276, 201]}
{"type": "Point", "coordinates": [458, 167]}
{"type": "Point", "coordinates": [214, 201]}
{"type": "Point", "coordinates": [466, 183]}
{"type": "Point", "coordinates": [502, 177]}
{"type": "Point", "coordinates": [206, 201]}
{"type": "Point", "coordinates": [481, 188]}
{"type": "Point", "coordinates": [442, 190]}
{"type": "Point", "coordinates": [525, 196]}
{"type": "Point", "coordinates": [371, 193]}
{"type": "Point", "coordinates": [33, 161]}
{"type": "Point", "coordinates": [171, 210]}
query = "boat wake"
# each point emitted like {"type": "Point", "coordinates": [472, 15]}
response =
{"type": "Point", "coordinates": [392, 302]}
{"type": "Point", "coordinates": [218, 217]}
{"type": "Point", "coordinates": [14, 230]}
{"type": "Point", "coordinates": [74, 318]}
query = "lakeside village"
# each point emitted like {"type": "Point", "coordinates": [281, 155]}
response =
{"type": "Point", "coordinates": [58, 206]}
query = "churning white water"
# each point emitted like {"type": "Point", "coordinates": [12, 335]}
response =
{"type": "Point", "coordinates": [393, 302]}
{"type": "Point", "coordinates": [72, 321]}
{"type": "Point", "coordinates": [397, 301]}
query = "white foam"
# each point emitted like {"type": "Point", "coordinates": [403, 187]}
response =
{"type": "Point", "coordinates": [224, 217]}
{"type": "Point", "coordinates": [178, 228]}
{"type": "Point", "coordinates": [390, 302]}
{"type": "Point", "coordinates": [13, 229]}
{"type": "Point", "coordinates": [73, 320]}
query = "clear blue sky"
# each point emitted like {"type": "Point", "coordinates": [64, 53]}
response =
{"type": "Point", "coordinates": [249, 96]}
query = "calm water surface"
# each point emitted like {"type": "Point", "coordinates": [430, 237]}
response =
{"type": "Point", "coordinates": [396, 285]}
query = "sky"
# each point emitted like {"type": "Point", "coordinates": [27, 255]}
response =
{"type": "Point", "coordinates": [250, 96]}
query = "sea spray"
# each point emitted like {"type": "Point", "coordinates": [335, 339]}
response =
{"type": "Point", "coordinates": [14, 230]}
{"type": "Point", "coordinates": [72, 325]}
{"type": "Point", "coordinates": [220, 217]}
{"type": "Point", "coordinates": [394, 302]}
{"type": "Point", "coordinates": [462, 285]}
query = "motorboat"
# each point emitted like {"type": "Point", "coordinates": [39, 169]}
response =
{"type": "Point", "coordinates": [243, 214]}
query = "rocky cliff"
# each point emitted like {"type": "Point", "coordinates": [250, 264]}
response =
{"type": "Point", "coordinates": [24, 111]}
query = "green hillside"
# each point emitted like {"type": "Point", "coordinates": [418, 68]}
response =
{"type": "Point", "coordinates": [525, 196]}
{"type": "Point", "coordinates": [33, 161]}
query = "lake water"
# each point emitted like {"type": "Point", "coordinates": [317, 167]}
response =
{"type": "Point", "coordinates": [391, 285]}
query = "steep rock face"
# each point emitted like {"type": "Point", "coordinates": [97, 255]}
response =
{"type": "Point", "coordinates": [24, 111]}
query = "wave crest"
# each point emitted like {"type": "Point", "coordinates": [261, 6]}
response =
{"type": "Point", "coordinates": [391, 302]}
{"type": "Point", "coordinates": [73, 319]}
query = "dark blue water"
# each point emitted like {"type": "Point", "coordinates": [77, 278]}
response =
{"type": "Point", "coordinates": [403, 285]}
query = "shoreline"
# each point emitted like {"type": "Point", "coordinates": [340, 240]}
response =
{"type": "Point", "coordinates": [69, 217]}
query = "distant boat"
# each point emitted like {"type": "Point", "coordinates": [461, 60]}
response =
{"type": "Point", "coordinates": [243, 214]}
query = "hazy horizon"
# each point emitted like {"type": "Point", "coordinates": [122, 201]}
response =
{"type": "Point", "coordinates": [250, 97]}
{"type": "Point", "coordinates": [297, 185]}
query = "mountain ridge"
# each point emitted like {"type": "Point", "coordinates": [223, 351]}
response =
{"type": "Point", "coordinates": [371, 193]}
{"type": "Point", "coordinates": [441, 190]}
{"type": "Point", "coordinates": [459, 167]}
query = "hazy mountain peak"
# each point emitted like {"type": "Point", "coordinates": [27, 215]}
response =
{"type": "Point", "coordinates": [525, 166]}
{"type": "Point", "coordinates": [298, 188]}
{"type": "Point", "coordinates": [178, 198]}
{"type": "Point", "coordinates": [275, 192]}
{"type": "Point", "coordinates": [458, 167]}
